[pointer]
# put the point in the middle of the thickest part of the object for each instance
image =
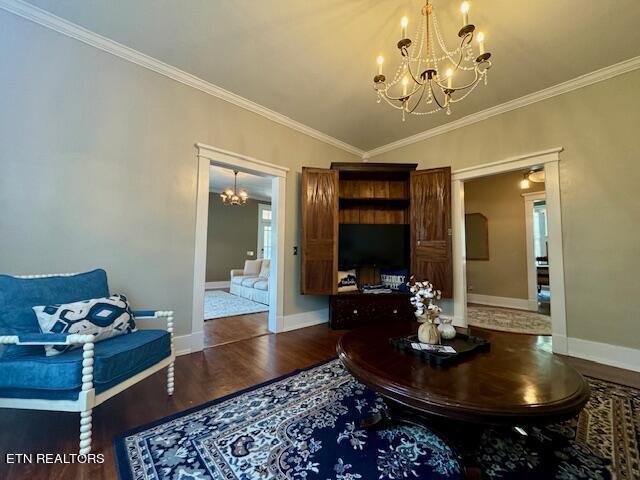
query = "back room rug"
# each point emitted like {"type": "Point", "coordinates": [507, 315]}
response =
{"type": "Point", "coordinates": [306, 426]}
{"type": "Point", "coordinates": [218, 304]}
{"type": "Point", "coordinates": [508, 320]}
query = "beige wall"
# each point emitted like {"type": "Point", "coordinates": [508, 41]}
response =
{"type": "Point", "coordinates": [232, 232]}
{"type": "Point", "coordinates": [98, 168]}
{"type": "Point", "coordinates": [499, 198]}
{"type": "Point", "coordinates": [599, 179]}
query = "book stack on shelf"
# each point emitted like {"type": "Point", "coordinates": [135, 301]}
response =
{"type": "Point", "coordinates": [378, 288]}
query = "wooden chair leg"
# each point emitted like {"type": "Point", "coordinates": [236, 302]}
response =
{"type": "Point", "coordinates": [85, 432]}
{"type": "Point", "coordinates": [171, 369]}
{"type": "Point", "coordinates": [170, 375]}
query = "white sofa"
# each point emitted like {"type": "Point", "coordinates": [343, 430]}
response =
{"type": "Point", "coordinates": [252, 281]}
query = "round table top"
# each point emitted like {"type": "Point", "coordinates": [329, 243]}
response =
{"type": "Point", "coordinates": [517, 382]}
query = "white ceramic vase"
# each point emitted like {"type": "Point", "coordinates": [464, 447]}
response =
{"type": "Point", "coordinates": [447, 331]}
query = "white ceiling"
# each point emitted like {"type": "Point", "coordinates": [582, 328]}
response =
{"type": "Point", "coordinates": [258, 188]}
{"type": "Point", "coordinates": [313, 61]}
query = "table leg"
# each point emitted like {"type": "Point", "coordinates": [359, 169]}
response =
{"type": "Point", "coordinates": [461, 437]}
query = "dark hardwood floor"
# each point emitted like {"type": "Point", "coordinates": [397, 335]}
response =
{"type": "Point", "coordinates": [200, 377]}
{"type": "Point", "coordinates": [233, 329]}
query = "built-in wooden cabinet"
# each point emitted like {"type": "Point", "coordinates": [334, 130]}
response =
{"type": "Point", "coordinates": [319, 272]}
{"type": "Point", "coordinates": [375, 193]}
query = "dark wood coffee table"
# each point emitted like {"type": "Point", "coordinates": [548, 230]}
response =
{"type": "Point", "coordinates": [513, 385]}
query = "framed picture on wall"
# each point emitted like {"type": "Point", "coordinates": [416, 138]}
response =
{"type": "Point", "coordinates": [476, 228]}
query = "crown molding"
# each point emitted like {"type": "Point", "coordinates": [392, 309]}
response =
{"type": "Point", "coordinates": [564, 87]}
{"type": "Point", "coordinates": [72, 30]}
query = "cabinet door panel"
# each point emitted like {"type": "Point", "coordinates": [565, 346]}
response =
{"type": "Point", "coordinates": [431, 257]}
{"type": "Point", "coordinates": [319, 256]}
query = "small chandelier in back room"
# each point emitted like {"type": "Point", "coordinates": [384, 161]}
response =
{"type": "Point", "coordinates": [431, 77]}
{"type": "Point", "coordinates": [231, 196]}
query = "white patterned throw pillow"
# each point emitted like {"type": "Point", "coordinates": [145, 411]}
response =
{"type": "Point", "coordinates": [103, 317]}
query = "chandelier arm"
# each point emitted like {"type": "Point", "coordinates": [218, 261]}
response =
{"type": "Point", "coordinates": [475, 80]}
{"type": "Point", "coordinates": [413, 76]}
{"type": "Point", "coordinates": [388, 100]}
{"type": "Point", "coordinates": [462, 45]}
{"type": "Point", "coordinates": [450, 54]}
{"type": "Point", "coordinates": [419, 99]}
{"type": "Point", "coordinates": [433, 95]}
{"type": "Point", "coordinates": [468, 92]}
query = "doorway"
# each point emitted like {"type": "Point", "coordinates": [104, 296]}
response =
{"type": "Point", "coordinates": [272, 291]}
{"type": "Point", "coordinates": [499, 236]}
{"type": "Point", "coordinates": [236, 296]}
{"type": "Point", "coordinates": [538, 265]}
{"type": "Point", "coordinates": [547, 160]}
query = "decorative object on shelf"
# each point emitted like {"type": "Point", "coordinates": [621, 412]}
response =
{"type": "Point", "coordinates": [347, 281]}
{"type": "Point", "coordinates": [428, 333]}
{"type": "Point", "coordinates": [231, 196]}
{"type": "Point", "coordinates": [446, 329]}
{"type": "Point", "coordinates": [395, 279]}
{"type": "Point", "coordinates": [427, 312]}
{"type": "Point", "coordinates": [424, 81]}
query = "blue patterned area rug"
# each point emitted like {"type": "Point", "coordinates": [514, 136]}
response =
{"type": "Point", "coordinates": [306, 426]}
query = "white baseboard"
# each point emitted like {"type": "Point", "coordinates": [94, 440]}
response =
{"type": "Point", "coordinates": [305, 319]}
{"type": "Point", "coordinates": [613, 355]}
{"type": "Point", "coordinates": [215, 285]}
{"type": "Point", "coordinates": [506, 302]}
{"type": "Point", "coordinates": [185, 344]}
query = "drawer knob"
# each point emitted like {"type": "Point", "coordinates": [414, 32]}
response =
{"type": "Point", "coordinates": [355, 311]}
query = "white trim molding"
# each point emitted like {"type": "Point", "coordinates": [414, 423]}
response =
{"type": "Point", "coordinates": [305, 319]}
{"type": "Point", "coordinates": [190, 343]}
{"type": "Point", "coordinates": [511, 164]}
{"type": "Point", "coordinates": [207, 156]}
{"type": "Point", "coordinates": [72, 30]}
{"type": "Point", "coordinates": [585, 80]}
{"type": "Point", "coordinates": [548, 159]}
{"type": "Point", "coordinates": [245, 162]}
{"type": "Point", "coordinates": [607, 354]}
{"type": "Point", "coordinates": [532, 269]}
{"type": "Point", "coordinates": [506, 302]}
{"type": "Point", "coordinates": [65, 27]}
{"type": "Point", "coordinates": [216, 285]}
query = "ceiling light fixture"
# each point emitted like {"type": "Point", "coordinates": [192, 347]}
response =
{"type": "Point", "coordinates": [535, 176]}
{"type": "Point", "coordinates": [428, 67]}
{"type": "Point", "coordinates": [231, 196]}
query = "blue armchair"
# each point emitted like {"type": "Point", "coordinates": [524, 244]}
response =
{"type": "Point", "coordinates": [76, 380]}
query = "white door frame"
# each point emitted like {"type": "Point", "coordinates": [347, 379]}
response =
{"type": "Point", "coordinates": [548, 159]}
{"type": "Point", "coordinates": [532, 271]}
{"type": "Point", "coordinates": [207, 156]}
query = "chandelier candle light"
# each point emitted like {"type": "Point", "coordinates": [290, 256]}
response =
{"type": "Point", "coordinates": [428, 67]}
{"type": "Point", "coordinates": [231, 196]}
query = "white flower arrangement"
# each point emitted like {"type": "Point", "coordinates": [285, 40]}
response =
{"type": "Point", "coordinates": [424, 295]}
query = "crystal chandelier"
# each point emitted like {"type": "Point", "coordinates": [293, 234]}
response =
{"type": "Point", "coordinates": [424, 81]}
{"type": "Point", "coordinates": [231, 196]}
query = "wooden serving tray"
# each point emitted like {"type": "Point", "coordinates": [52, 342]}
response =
{"type": "Point", "coordinates": [464, 345]}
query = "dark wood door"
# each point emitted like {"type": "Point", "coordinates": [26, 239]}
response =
{"type": "Point", "coordinates": [319, 270]}
{"type": "Point", "coordinates": [431, 258]}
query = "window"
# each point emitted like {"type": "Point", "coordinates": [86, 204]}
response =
{"type": "Point", "coordinates": [266, 241]}
{"type": "Point", "coordinates": [540, 234]}
{"type": "Point", "coordinates": [264, 231]}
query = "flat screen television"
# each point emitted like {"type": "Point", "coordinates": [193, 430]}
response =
{"type": "Point", "coordinates": [381, 246]}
